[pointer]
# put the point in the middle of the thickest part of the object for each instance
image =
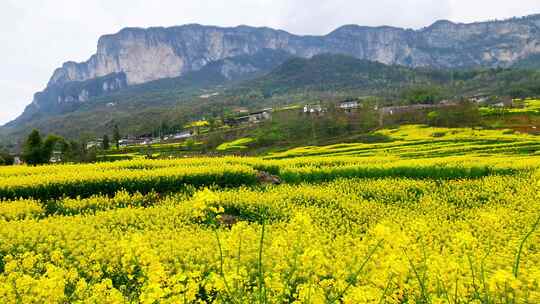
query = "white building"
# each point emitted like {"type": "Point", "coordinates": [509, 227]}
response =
{"type": "Point", "coordinates": [347, 105]}
{"type": "Point", "coordinates": [94, 144]}
{"type": "Point", "coordinates": [313, 108]}
{"type": "Point", "coordinates": [182, 135]}
{"type": "Point", "coordinates": [256, 117]}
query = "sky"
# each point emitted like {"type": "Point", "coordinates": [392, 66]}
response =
{"type": "Point", "coordinates": [37, 36]}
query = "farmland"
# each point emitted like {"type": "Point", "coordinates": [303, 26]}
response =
{"type": "Point", "coordinates": [430, 215]}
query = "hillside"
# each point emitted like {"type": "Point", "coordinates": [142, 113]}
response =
{"type": "Point", "coordinates": [139, 109]}
{"type": "Point", "coordinates": [331, 72]}
{"type": "Point", "coordinates": [348, 75]}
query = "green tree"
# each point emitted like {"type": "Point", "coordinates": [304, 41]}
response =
{"type": "Point", "coordinates": [38, 151]}
{"type": "Point", "coordinates": [214, 139]}
{"type": "Point", "coordinates": [423, 95]}
{"type": "Point", "coordinates": [164, 129]}
{"type": "Point", "coordinates": [190, 144]}
{"type": "Point", "coordinates": [268, 135]}
{"type": "Point", "coordinates": [33, 149]}
{"type": "Point", "coordinates": [213, 123]}
{"type": "Point", "coordinates": [368, 117]}
{"type": "Point", "coordinates": [433, 118]}
{"type": "Point", "coordinates": [51, 143]}
{"type": "Point", "coordinates": [116, 136]}
{"type": "Point", "coordinates": [106, 143]}
{"type": "Point", "coordinates": [6, 159]}
{"type": "Point", "coordinates": [73, 151]}
{"type": "Point", "coordinates": [76, 152]}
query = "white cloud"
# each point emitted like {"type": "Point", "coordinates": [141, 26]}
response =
{"type": "Point", "coordinates": [37, 36]}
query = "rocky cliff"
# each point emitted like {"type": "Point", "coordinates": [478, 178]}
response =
{"type": "Point", "coordinates": [135, 56]}
{"type": "Point", "coordinates": [149, 54]}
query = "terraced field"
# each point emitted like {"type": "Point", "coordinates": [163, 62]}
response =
{"type": "Point", "coordinates": [432, 216]}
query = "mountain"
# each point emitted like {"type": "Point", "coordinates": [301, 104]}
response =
{"type": "Point", "coordinates": [168, 65]}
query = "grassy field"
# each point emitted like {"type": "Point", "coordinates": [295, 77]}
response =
{"type": "Point", "coordinates": [431, 215]}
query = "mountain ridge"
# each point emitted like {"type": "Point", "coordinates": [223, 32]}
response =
{"type": "Point", "coordinates": [214, 43]}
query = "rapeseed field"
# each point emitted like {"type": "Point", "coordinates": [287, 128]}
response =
{"type": "Point", "coordinates": [345, 225]}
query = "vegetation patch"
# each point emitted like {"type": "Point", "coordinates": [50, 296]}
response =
{"type": "Point", "coordinates": [236, 145]}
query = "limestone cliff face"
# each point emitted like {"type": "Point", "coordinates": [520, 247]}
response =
{"type": "Point", "coordinates": [149, 54]}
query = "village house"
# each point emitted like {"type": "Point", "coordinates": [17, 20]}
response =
{"type": "Point", "coordinates": [236, 121]}
{"type": "Point", "coordinates": [259, 116]}
{"type": "Point", "coordinates": [448, 102]}
{"type": "Point", "coordinates": [252, 118]}
{"type": "Point", "coordinates": [155, 141]}
{"type": "Point", "coordinates": [404, 109]}
{"type": "Point", "coordinates": [17, 161]}
{"type": "Point", "coordinates": [128, 141]}
{"type": "Point", "coordinates": [504, 102]}
{"type": "Point", "coordinates": [94, 144]}
{"type": "Point", "coordinates": [56, 157]}
{"type": "Point", "coordinates": [479, 98]}
{"type": "Point", "coordinates": [181, 135]}
{"type": "Point", "coordinates": [240, 110]}
{"type": "Point", "coordinates": [313, 109]}
{"type": "Point", "coordinates": [348, 104]}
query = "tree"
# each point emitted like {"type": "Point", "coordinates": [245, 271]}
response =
{"type": "Point", "coordinates": [433, 118]}
{"type": "Point", "coordinates": [214, 139]}
{"type": "Point", "coordinates": [190, 144]}
{"type": "Point", "coordinates": [73, 151]}
{"type": "Point", "coordinates": [6, 159]}
{"type": "Point", "coordinates": [51, 143]}
{"type": "Point", "coordinates": [106, 144]}
{"type": "Point", "coordinates": [212, 123]}
{"type": "Point", "coordinates": [38, 151]}
{"type": "Point", "coordinates": [268, 135]}
{"type": "Point", "coordinates": [422, 95]}
{"type": "Point", "coordinates": [164, 129]}
{"type": "Point", "coordinates": [76, 152]}
{"type": "Point", "coordinates": [116, 136]}
{"type": "Point", "coordinates": [33, 149]}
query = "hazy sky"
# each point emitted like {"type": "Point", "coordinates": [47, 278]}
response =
{"type": "Point", "coordinates": [37, 36]}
